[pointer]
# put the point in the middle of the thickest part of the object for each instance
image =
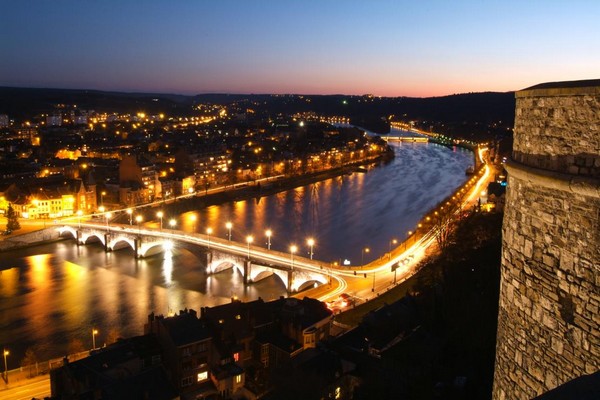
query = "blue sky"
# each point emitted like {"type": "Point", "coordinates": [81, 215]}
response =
{"type": "Point", "coordinates": [388, 48]}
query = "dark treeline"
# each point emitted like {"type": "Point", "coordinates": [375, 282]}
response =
{"type": "Point", "coordinates": [469, 114]}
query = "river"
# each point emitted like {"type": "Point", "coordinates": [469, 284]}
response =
{"type": "Point", "coordinates": [53, 295]}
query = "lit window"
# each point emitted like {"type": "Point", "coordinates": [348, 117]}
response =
{"type": "Point", "coordinates": [238, 378]}
{"type": "Point", "coordinates": [236, 356]}
{"type": "Point", "coordinates": [202, 376]}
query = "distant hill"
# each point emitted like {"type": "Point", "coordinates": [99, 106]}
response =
{"type": "Point", "coordinates": [467, 110]}
{"type": "Point", "coordinates": [22, 103]}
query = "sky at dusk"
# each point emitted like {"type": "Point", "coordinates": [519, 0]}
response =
{"type": "Point", "coordinates": [386, 48]}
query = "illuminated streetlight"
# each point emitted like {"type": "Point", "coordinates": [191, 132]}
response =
{"type": "Point", "coordinates": [249, 239]}
{"type": "Point", "coordinates": [293, 249]}
{"type": "Point", "coordinates": [172, 223]}
{"type": "Point", "coordinates": [311, 243]}
{"type": "Point", "coordinates": [229, 225]}
{"type": "Point", "coordinates": [393, 241]}
{"type": "Point", "coordinates": [208, 232]}
{"type": "Point", "coordinates": [108, 217]}
{"type": "Point", "coordinates": [94, 333]}
{"type": "Point", "coordinates": [6, 352]}
{"type": "Point", "coordinates": [362, 255]}
{"type": "Point", "coordinates": [79, 214]}
{"type": "Point", "coordinates": [160, 215]}
{"type": "Point", "coordinates": [102, 194]}
{"type": "Point", "coordinates": [269, 233]}
{"type": "Point", "coordinates": [193, 218]}
{"type": "Point", "coordinates": [139, 219]}
{"type": "Point", "coordinates": [130, 212]}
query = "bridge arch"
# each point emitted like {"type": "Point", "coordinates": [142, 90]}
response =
{"type": "Point", "coordinates": [222, 265]}
{"type": "Point", "coordinates": [303, 281]}
{"type": "Point", "coordinates": [121, 242]}
{"type": "Point", "coordinates": [260, 272]}
{"type": "Point", "coordinates": [221, 261]}
{"type": "Point", "coordinates": [67, 229]}
{"type": "Point", "coordinates": [151, 249]}
{"type": "Point", "coordinates": [85, 236]}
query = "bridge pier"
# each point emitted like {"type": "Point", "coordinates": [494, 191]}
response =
{"type": "Point", "coordinates": [78, 238]}
{"type": "Point", "coordinates": [106, 242]}
{"type": "Point", "coordinates": [290, 279]}
{"type": "Point", "coordinates": [208, 259]}
{"type": "Point", "coordinates": [247, 271]}
{"type": "Point", "coordinates": [137, 247]}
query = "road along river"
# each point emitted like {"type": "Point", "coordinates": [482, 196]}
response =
{"type": "Point", "coordinates": [53, 295]}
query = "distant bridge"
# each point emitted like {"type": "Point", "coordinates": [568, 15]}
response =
{"type": "Point", "coordinates": [254, 263]}
{"type": "Point", "coordinates": [415, 139]}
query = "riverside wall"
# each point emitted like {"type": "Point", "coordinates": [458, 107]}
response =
{"type": "Point", "coordinates": [549, 320]}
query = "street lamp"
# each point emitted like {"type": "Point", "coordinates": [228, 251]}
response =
{"type": "Point", "coordinates": [393, 241]}
{"type": "Point", "coordinates": [293, 249]}
{"type": "Point", "coordinates": [130, 212]}
{"type": "Point", "coordinates": [362, 255]}
{"type": "Point", "coordinates": [139, 219]}
{"type": "Point", "coordinates": [229, 225]}
{"type": "Point", "coordinates": [6, 352]}
{"type": "Point", "coordinates": [249, 239]}
{"type": "Point", "coordinates": [102, 194]}
{"type": "Point", "coordinates": [108, 217]}
{"type": "Point", "coordinates": [193, 218]}
{"type": "Point", "coordinates": [269, 233]}
{"type": "Point", "coordinates": [94, 333]}
{"type": "Point", "coordinates": [160, 215]}
{"type": "Point", "coordinates": [172, 223]}
{"type": "Point", "coordinates": [79, 214]}
{"type": "Point", "coordinates": [208, 232]}
{"type": "Point", "coordinates": [373, 288]}
{"type": "Point", "coordinates": [311, 243]}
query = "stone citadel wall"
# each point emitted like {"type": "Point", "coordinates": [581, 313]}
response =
{"type": "Point", "coordinates": [549, 321]}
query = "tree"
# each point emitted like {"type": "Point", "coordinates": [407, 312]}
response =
{"type": "Point", "coordinates": [30, 361]}
{"type": "Point", "coordinates": [75, 346]}
{"type": "Point", "coordinates": [12, 220]}
{"type": "Point", "coordinates": [444, 218]}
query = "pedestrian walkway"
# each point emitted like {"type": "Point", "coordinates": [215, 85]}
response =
{"type": "Point", "coordinates": [34, 373]}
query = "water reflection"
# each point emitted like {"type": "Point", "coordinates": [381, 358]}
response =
{"type": "Point", "coordinates": [54, 294]}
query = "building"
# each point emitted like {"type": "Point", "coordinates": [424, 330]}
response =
{"type": "Point", "coordinates": [128, 369]}
{"type": "Point", "coordinates": [4, 121]}
{"type": "Point", "coordinates": [186, 344]}
{"type": "Point", "coordinates": [52, 197]}
{"type": "Point", "coordinates": [234, 350]}
{"type": "Point", "coordinates": [549, 307]}
{"type": "Point", "coordinates": [138, 181]}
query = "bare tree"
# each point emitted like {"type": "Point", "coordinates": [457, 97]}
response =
{"type": "Point", "coordinates": [445, 219]}
{"type": "Point", "coordinates": [76, 346]}
{"type": "Point", "coordinates": [29, 362]}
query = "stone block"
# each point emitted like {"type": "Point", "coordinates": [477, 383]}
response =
{"type": "Point", "coordinates": [557, 345]}
{"type": "Point", "coordinates": [549, 322]}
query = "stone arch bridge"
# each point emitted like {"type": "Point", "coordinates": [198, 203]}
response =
{"type": "Point", "coordinates": [217, 259]}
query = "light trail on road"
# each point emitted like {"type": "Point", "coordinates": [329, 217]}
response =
{"type": "Point", "coordinates": [348, 278]}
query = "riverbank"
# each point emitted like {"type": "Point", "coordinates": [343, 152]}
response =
{"type": "Point", "coordinates": [254, 190]}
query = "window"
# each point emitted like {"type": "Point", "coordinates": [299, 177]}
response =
{"type": "Point", "coordinates": [187, 381]}
{"type": "Point", "coordinates": [264, 355]}
{"type": "Point", "coordinates": [236, 356]}
{"type": "Point", "coordinates": [202, 376]}
{"type": "Point", "coordinates": [156, 359]}
{"type": "Point", "coordinates": [238, 378]}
